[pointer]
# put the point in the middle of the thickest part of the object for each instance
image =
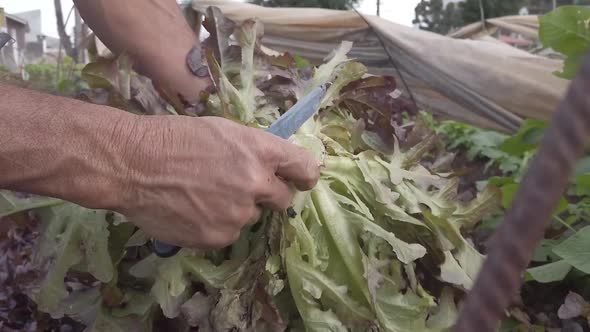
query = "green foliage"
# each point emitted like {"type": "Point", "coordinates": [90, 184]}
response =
{"type": "Point", "coordinates": [565, 255]}
{"type": "Point", "coordinates": [12, 203]}
{"type": "Point", "coordinates": [44, 73]}
{"type": "Point", "coordinates": [527, 138]}
{"type": "Point", "coordinates": [574, 250]}
{"type": "Point", "coordinates": [567, 30]}
{"type": "Point", "coordinates": [552, 272]}
{"type": "Point", "coordinates": [431, 15]}
{"type": "Point", "coordinates": [508, 154]}
{"type": "Point", "coordinates": [115, 84]}
{"type": "Point", "coordinates": [330, 4]}
{"type": "Point", "coordinates": [71, 237]}
{"type": "Point", "coordinates": [470, 9]}
{"type": "Point", "coordinates": [379, 225]}
{"type": "Point", "coordinates": [63, 79]}
{"type": "Point", "coordinates": [347, 261]}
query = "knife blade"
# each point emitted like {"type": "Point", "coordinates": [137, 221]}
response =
{"type": "Point", "coordinates": [5, 39]}
{"type": "Point", "coordinates": [288, 123]}
{"type": "Point", "coordinates": [285, 126]}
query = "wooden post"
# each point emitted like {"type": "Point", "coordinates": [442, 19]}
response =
{"type": "Point", "coordinates": [378, 7]}
{"type": "Point", "coordinates": [483, 15]}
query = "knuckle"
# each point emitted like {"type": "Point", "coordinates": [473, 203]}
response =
{"type": "Point", "coordinates": [254, 215]}
{"type": "Point", "coordinates": [259, 182]}
{"type": "Point", "coordinates": [266, 158]}
{"type": "Point", "coordinates": [233, 238]}
{"type": "Point", "coordinates": [270, 152]}
{"type": "Point", "coordinates": [238, 217]}
{"type": "Point", "coordinates": [310, 174]}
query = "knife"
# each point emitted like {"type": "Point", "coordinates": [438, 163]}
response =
{"type": "Point", "coordinates": [285, 126]}
{"type": "Point", "coordinates": [5, 39]}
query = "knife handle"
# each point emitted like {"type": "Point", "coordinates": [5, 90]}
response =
{"type": "Point", "coordinates": [165, 250]}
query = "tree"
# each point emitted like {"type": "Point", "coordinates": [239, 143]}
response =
{"type": "Point", "coordinates": [541, 7]}
{"type": "Point", "coordinates": [432, 15]}
{"type": "Point", "coordinates": [471, 10]}
{"type": "Point", "coordinates": [74, 50]}
{"type": "Point", "coordinates": [331, 4]}
{"type": "Point", "coordinates": [64, 39]}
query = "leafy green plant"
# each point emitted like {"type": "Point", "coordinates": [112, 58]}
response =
{"type": "Point", "coordinates": [353, 257]}
{"type": "Point", "coordinates": [63, 79]}
{"type": "Point", "coordinates": [479, 144]}
{"type": "Point", "coordinates": [510, 156]}
{"type": "Point", "coordinates": [560, 259]}
{"type": "Point", "coordinates": [567, 30]}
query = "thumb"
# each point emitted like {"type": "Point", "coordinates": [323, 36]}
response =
{"type": "Point", "coordinates": [298, 166]}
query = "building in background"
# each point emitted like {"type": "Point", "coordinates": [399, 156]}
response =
{"type": "Point", "coordinates": [31, 45]}
{"type": "Point", "coordinates": [17, 27]}
{"type": "Point", "coordinates": [38, 45]}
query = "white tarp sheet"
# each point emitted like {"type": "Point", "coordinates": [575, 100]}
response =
{"type": "Point", "coordinates": [484, 83]}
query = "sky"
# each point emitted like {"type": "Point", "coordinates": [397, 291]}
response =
{"type": "Point", "coordinates": [47, 12]}
{"type": "Point", "coordinates": [399, 11]}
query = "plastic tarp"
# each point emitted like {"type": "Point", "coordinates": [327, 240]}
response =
{"type": "Point", "coordinates": [525, 25]}
{"type": "Point", "coordinates": [488, 84]}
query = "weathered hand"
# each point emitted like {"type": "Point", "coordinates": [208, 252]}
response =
{"type": "Point", "coordinates": [195, 182]}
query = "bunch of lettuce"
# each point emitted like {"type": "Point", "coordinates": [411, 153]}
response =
{"type": "Point", "coordinates": [377, 245]}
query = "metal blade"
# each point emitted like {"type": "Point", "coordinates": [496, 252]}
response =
{"type": "Point", "coordinates": [5, 39]}
{"type": "Point", "coordinates": [297, 115]}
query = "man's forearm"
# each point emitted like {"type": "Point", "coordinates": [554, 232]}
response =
{"type": "Point", "coordinates": [154, 33]}
{"type": "Point", "coordinates": [59, 147]}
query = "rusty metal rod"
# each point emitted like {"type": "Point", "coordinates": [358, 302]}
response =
{"type": "Point", "coordinates": [514, 242]}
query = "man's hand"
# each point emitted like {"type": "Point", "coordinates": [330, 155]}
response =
{"type": "Point", "coordinates": [195, 182]}
{"type": "Point", "coordinates": [154, 33]}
